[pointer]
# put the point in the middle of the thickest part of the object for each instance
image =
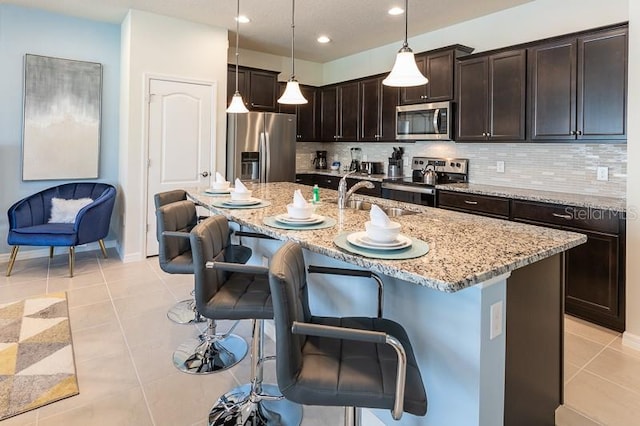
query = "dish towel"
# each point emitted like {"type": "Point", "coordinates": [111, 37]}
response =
{"type": "Point", "coordinates": [240, 186]}
{"type": "Point", "coordinates": [298, 199]}
{"type": "Point", "coordinates": [219, 178]}
{"type": "Point", "coordinates": [379, 217]}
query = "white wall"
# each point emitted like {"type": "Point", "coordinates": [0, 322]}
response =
{"type": "Point", "coordinates": [632, 335]}
{"type": "Point", "coordinates": [159, 45]}
{"type": "Point", "coordinates": [307, 72]}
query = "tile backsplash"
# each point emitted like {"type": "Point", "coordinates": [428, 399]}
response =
{"type": "Point", "coordinates": [562, 167]}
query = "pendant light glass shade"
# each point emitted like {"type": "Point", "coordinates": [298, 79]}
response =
{"type": "Point", "coordinates": [405, 72]}
{"type": "Point", "coordinates": [292, 94]}
{"type": "Point", "coordinates": [237, 104]}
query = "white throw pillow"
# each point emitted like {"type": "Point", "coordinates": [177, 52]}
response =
{"type": "Point", "coordinates": [65, 211]}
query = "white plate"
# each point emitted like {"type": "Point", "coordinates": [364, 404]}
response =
{"type": "Point", "coordinates": [360, 239]}
{"type": "Point", "coordinates": [249, 202]}
{"type": "Point", "coordinates": [218, 191]}
{"type": "Point", "coordinates": [313, 220]}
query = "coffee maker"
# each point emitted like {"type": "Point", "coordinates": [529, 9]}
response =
{"type": "Point", "coordinates": [320, 161]}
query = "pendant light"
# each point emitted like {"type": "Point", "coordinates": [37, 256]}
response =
{"type": "Point", "coordinates": [237, 104]}
{"type": "Point", "coordinates": [292, 94]}
{"type": "Point", "coordinates": [405, 72]}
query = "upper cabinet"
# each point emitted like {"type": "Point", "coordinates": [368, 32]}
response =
{"type": "Point", "coordinates": [439, 67]}
{"type": "Point", "coordinates": [339, 112]}
{"type": "Point", "coordinates": [491, 97]}
{"type": "Point", "coordinates": [259, 88]}
{"type": "Point", "coordinates": [578, 87]}
{"type": "Point", "coordinates": [306, 114]}
{"type": "Point", "coordinates": [377, 110]}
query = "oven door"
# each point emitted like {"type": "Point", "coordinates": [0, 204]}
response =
{"type": "Point", "coordinates": [423, 195]}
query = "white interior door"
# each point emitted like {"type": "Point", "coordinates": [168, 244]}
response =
{"type": "Point", "coordinates": [181, 141]}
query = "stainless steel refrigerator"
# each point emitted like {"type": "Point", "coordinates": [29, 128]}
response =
{"type": "Point", "coordinates": [261, 147]}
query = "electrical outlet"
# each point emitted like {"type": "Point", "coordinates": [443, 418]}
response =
{"type": "Point", "coordinates": [496, 320]}
{"type": "Point", "coordinates": [500, 167]}
{"type": "Point", "coordinates": [265, 261]}
{"type": "Point", "coordinates": [603, 173]}
{"type": "Point", "coordinates": [405, 161]}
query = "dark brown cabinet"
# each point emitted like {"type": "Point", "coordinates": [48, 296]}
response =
{"type": "Point", "coordinates": [484, 205]}
{"type": "Point", "coordinates": [259, 88]}
{"type": "Point", "coordinates": [439, 67]}
{"type": "Point", "coordinates": [339, 112]}
{"type": "Point", "coordinates": [594, 271]}
{"type": "Point", "coordinates": [578, 86]}
{"type": "Point", "coordinates": [491, 97]}
{"type": "Point", "coordinates": [306, 114]}
{"type": "Point", "coordinates": [377, 111]}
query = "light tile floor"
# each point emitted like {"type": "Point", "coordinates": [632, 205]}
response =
{"type": "Point", "coordinates": [123, 344]}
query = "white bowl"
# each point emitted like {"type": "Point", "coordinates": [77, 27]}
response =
{"type": "Point", "coordinates": [382, 234]}
{"type": "Point", "coordinates": [240, 196]}
{"type": "Point", "coordinates": [300, 212]}
{"type": "Point", "coordinates": [335, 167]}
{"type": "Point", "coordinates": [220, 186]}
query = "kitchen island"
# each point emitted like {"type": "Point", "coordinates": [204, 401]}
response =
{"type": "Point", "coordinates": [480, 278]}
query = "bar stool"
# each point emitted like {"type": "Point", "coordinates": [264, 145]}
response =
{"type": "Point", "coordinates": [233, 291]}
{"type": "Point", "coordinates": [339, 361]}
{"type": "Point", "coordinates": [211, 352]}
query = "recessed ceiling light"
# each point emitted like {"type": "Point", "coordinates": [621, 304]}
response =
{"type": "Point", "coordinates": [396, 11]}
{"type": "Point", "coordinates": [323, 39]}
{"type": "Point", "coordinates": [243, 19]}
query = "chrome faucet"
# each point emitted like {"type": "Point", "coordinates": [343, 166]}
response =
{"type": "Point", "coordinates": [343, 194]}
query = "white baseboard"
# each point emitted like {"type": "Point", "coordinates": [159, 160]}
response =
{"type": "Point", "coordinates": [44, 252]}
{"type": "Point", "coordinates": [631, 340]}
{"type": "Point", "coordinates": [132, 257]}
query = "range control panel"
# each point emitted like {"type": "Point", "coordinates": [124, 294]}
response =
{"type": "Point", "coordinates": [445, 165]}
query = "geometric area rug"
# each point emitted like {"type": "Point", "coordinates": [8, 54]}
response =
{"type": "Point", "coordinates": [36, 354]}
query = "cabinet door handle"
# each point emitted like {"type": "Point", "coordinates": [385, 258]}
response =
{"type": "Point", "coordinates": [376, 136]}
{"type": "Point", "coordinates": [484, 134]}
{"type": "Point", "coordinates": [423, 96]}
{"type": "Point", "coordinates": [473, 203]}
{"type": "Point", "coordinates": [488, 134]}
{"type": "Point", "coordinates": [562, 216]}
{"type": "Point", "coordinates": [573, 132]}
{"type": "Point", "coordinates": [579, 132]}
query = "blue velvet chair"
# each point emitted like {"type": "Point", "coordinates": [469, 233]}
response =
{"type": "Point", "coordinates": [29, 220]}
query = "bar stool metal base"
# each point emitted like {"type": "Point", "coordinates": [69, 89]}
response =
{"type": "Point", "coordinates": [206, 356]}
{"type": "Point", "coordinates": [242, 407]}
{"type": "Point", "coordinates": [185, 312]}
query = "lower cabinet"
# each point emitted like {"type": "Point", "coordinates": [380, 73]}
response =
{"type": "Point", "coordinates": [331, 182]}
{"type": "Point", "coordinates": [594, 271]}
{"type": "Point", "coordinates": [484, 205]}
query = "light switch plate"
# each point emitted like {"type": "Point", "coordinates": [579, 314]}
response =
{"type": "Point", "coordinates": [603, 173]}
{"type": "Point", "coordinates": [496, 320]}
{"type": "Point", "coordinates": [500, 167]}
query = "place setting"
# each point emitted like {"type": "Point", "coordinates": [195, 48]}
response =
{"type": "Point", "coordinates": [300, 216]}
{"type": "Point", "coordinates": [240, 199]}
{"type": "Point", "coordinates": [381, 239]}
{"type": "Point", "coordinates": [219, 187]}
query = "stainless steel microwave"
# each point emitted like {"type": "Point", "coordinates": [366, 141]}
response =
{"type": "Point", "coordinates": [424, 121]}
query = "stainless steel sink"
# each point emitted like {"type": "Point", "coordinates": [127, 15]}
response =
{"type": "Point", "coordinates": [365, 205]}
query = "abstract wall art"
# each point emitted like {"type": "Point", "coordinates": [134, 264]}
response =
{"type": "Point", "coordinates": [62, 106]}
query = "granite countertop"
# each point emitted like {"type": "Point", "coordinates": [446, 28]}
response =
{"type": "Point", "coordinates": [575, 200]}
{"type": "Point", "coordinates": [464, 249]}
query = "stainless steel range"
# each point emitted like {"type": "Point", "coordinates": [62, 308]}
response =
{"type": "Point", "coordinates": [426, 173]}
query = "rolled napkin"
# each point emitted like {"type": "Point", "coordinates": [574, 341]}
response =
{"type": "Point", "coordinates": [298, 199]}
{"type": "Point", "coordinates": [220, 178]}
{"type": "Point", "coordinates": [379, 217]}
{"type": "Point", "coordinates": [240, 186]}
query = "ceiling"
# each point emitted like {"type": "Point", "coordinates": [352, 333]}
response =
{"type": "Point", "coordinates": [352, 25]}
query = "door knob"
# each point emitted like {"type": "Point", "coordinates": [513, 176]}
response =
{"type": "Point", "coordinates": [204, 174]}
